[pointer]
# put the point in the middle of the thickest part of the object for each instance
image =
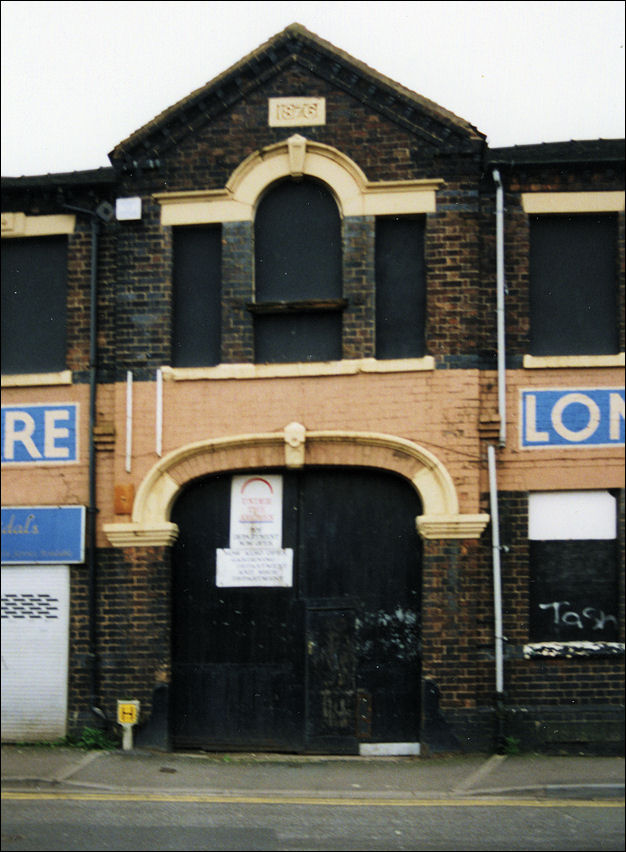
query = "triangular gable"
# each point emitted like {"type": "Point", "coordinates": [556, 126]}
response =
{"type": "Point", "coordinates": [433, 124]}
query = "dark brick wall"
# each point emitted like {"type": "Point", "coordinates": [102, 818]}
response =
{"type": "Point", "coordinates": [382, 149]}
{"type": "Point", "coordinates": [78, 298]}
{"type": "Point", "coordinates": [134, 333]}
{"type": "Point", "coordinates": [237, 292]}
{"type": "Point", "coordinates": [133, 632]}
{"type": "Point", "coordinates": [143, 294]}
{"type": "Point", "coordinates": [559, 704]}
{"type": "Point", "coordinates": [359, 319]}
{"type": "Point", "coordinates": [458, 670]}
{"type": "Point", "coordinates": [206, 160]}
{"type": "Point", "coordinates": [79, 680]}
{"type": "Point", "coordinates": [554, 703]}
{"type": "Point", "coordinates": [454, 320]}
{"type": "Point", "coordinates": [453, 275]}
{"type": "Point", "coordinates": [513, 509]}
{"type": "Point", "coordinates": [135, 257]}
{"type": "Point", "coordinates": [457, 622]}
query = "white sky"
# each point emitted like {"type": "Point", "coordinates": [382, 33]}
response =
{"type": "Point", "coordinates": [79, 77]}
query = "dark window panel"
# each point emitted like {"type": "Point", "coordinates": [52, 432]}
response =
{"type": "Point", "coordinates": [297, 244]}
{"type": "Point", "coordinates": [298, 260]}
{"type": "Point", "coordinates": [196, 320]}
{"type": "Point", "coordinates": [283, 338]}
{"type": "Point", "coordinates": [573, 294]}
{"type": "Point", "coordinates": [573, 591]}
{"type": "Point", "coordinates": [400, 287]}
{"type": "Point", "coordinates": [34, 305]}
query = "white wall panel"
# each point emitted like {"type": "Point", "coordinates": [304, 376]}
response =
{"type": "Point", "coordinates": [562, 515]}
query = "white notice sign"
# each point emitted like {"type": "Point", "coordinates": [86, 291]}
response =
{"type": "Point", "coordinates": [254, 567]}
{"type": "Point", "coordinates": [256, 511]}
{"type": "Point", "coordinates": [255, 556]}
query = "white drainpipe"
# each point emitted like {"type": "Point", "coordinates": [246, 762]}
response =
{"type": "Point", "coordinates": [129, 419]}
{"type": "Point", "coordinates": [500, 290]}
{"type": "Point", "coordinates": [493, 485]}
{"type": "Point", "coordinates": [497, 585]}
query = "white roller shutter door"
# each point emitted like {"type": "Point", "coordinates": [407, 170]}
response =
{"type": "Point", "coordinates": [35, 638]}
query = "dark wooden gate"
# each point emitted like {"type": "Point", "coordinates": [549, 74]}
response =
{"type": "Point", "coordinates": [331, 677]}
{"type": "Point", "coordinates": [324, 665]}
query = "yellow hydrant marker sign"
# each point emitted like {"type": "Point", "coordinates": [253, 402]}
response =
{"type": "Point", "coordinates": [127, 717]}
{"type": "Point", "coordinates": [127, 712]}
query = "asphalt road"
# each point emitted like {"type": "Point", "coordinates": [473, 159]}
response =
{"type": "Point", "coordinates": [79, 821]}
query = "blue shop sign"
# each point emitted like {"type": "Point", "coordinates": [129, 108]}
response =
{"type": "Point", "coordinates": [40, 434]}
{"type": "Point", "coordinates": [45, 535]}
{"type": "Point", "coordinates": [571, 417]}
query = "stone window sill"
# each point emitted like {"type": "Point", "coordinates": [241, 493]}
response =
{"type": "Point", "coordinates": [318, 368]}
{"type": "Point", "coordinates": [547, 362]}
{"type": "Point", "coordinates": [26, 380]}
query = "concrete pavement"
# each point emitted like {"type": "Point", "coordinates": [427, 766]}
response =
{"type": "Point", "coordinates": [281, 776]}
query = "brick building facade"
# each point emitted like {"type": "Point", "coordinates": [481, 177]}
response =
{"type": "Point", "coordinates": [307, 279]}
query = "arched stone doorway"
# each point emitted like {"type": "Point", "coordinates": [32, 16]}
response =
{"type": "Point", "coordinates": [429, 503]}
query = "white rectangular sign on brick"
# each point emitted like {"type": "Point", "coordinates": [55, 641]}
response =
{"type": "Point", "coordinates": [255, 556]}
{"type": "Point", "coordinates": [254, 567]}
{"type": "Point", "coordinates": [256, 511]}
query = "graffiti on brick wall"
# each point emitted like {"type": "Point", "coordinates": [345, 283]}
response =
{"type": "Point", "coordinates": [573, 589]}
{"type": "Point", "coordinates": [590, 616]}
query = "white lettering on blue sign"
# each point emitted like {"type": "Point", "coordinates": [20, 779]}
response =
{"type": "Point", "coordinates": [572, 417]}
{"type": "Point", "coordinates": [39, 434]}
{"type": "Point", "coordinates": [43, 535]}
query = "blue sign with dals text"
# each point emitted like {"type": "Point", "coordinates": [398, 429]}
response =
{"type": "Point", "coordinates": [46, 535]}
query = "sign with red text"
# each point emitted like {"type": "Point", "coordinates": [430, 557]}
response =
{"type": "Point", "coordinates": [255, 556]}
{"type": "Point", "coordinates": [256, 511]}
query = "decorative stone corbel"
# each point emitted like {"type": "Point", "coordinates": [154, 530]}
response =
{"type": "Point", "coordinates": [295, 438]}
{"type": "Point", "coordinates": [141, 535]}
{"type": "Point", "coordinates": [451, 526]}
{"type": "Point", "coordinates": [296, 145]}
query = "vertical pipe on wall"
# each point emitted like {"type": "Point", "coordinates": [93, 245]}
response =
{"type": "Point", "coordinates": [159, 412]}
{"type": "Point", "coordinates": [497, 595]}
{"type": "Point", "coordinates": [129, 419]}
{"type": "Point", "coordinates": [497, 583]}
{"type": "Point", "coordinates": [92, 508]}
{"type": "Point", "coordinates": [103, 213]}
{"type": "Point", "coordinates": [491, 453]}
{"type": "Point", "coordinates": [500, 292]}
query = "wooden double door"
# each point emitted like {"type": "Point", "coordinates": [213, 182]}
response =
{"type": "Point", "coordinates": [329, 662]}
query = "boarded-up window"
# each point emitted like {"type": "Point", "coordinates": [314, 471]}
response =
{"type": "Point", "coordinates": [34, 304]}
{"type": "Point", "coordinates": [400, 287]}
{"type": "Point", "coordinates": [196, 315]}
{"type": "Point", "coordinates": [573, 294]}
{"type": "Point", "coordinates": [298, 280]}
{"type": "Point", "coordinates": [573, 567]}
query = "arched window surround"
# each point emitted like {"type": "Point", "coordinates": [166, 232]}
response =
{"type": "Point", "coordinates": [295, 157]}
